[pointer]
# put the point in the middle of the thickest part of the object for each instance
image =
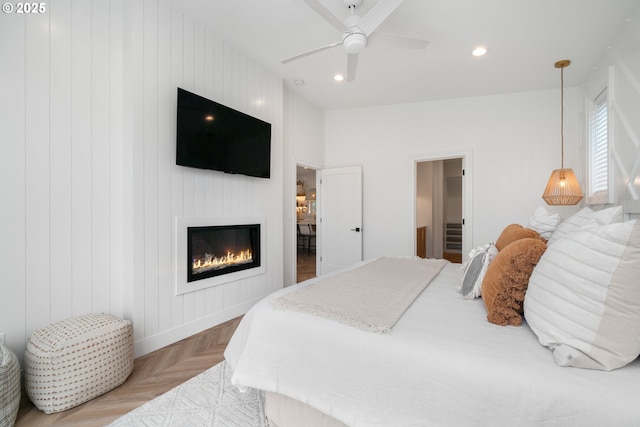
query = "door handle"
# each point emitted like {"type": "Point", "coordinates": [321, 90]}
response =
{"type": "Point", "coordinates": [357, 229]}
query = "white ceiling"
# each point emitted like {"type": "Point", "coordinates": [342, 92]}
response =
{"type": "Point", "coordinates": [525, 38]}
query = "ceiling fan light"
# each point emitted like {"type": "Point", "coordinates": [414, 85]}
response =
{"type": "Point", "coordinates": [354, 43]}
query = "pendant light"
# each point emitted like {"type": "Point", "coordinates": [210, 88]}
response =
{"type": "Point", "coordinates": [563, 187]}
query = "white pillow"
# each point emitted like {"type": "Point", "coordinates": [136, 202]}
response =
{"type": "Point", "coordinates": [544, 222]}
{"type": "Point", "coordinates": [582, 217]}
{"type": "Point", "coordinates": [583, 298]}
{"type": "Point", "coordinates": [609, 215]}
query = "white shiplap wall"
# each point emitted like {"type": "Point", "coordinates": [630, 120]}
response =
{"type": "Point", "coordinates": [622, 60]}
{"type": "Point", "coordinates": [61, 166]}
{"type": "Point", "coordinates": [172, 49]}
{"type": "Point", "coordinates": [88, 128]}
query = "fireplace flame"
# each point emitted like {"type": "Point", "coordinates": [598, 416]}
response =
{"type": "Point", "coordinates": [211, 262]}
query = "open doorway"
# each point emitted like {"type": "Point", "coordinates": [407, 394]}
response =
{"type": "Point", "coordinates": [306, 211]}
{"type": "Point", "coordinates": [439, 209]}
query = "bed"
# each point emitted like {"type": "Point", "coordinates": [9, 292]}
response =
{"type": "Point", "coordinates": [440, 364]}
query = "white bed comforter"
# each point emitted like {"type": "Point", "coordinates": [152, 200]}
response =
{"type": "Point", "coordinates": [442, 364]}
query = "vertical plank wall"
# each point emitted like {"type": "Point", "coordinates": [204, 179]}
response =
{"type": "Point", "coordinates": [62, 193]}
{"type": "Point", "coordinates": [89, 176]}
{"type": "Point", "coordinates": [169, 50]}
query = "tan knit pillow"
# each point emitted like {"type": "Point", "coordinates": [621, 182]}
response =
{"type": "Point", "coordinates": [514, 232]}
{"type": "Point", "coordinates": [505, 283]}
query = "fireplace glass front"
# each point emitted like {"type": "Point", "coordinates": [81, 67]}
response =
{"type": "Point", "coordinates": [217, 250]}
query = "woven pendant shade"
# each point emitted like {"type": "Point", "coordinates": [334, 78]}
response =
{"type": "Point", "coordinates": [563, 188]}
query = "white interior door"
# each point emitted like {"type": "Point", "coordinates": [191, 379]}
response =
{"type": "Point", "coordinates": [340, 223]}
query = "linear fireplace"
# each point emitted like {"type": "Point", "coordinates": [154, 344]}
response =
{"type": "Point", "coordinates": [221, 249]}
{"type": "Point", "coordinates": [216, 250]}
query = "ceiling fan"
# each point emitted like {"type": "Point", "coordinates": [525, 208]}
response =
{"type": "Point", "coordinates": [359, 32]}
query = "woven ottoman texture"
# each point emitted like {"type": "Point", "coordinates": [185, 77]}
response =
{"type": "Point", "coordinates": [9, 386]}
{"type": "Point", "coordinates": [72, 361]}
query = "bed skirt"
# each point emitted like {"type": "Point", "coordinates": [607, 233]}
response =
{"type": "Point", "coordinates": [283, 411]}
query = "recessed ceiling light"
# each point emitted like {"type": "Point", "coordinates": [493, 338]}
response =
{"type": "Point", "coordinates": [338, 77]}
{"type": "Point", "coordinates": [479, 51]}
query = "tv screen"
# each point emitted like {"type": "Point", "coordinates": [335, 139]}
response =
{"type": "Point", "coordinates": [213, 136]}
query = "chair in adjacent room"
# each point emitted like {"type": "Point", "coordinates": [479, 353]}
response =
{"type": "Point", "coordinates": [309, 236]}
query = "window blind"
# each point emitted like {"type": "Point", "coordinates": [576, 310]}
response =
{"type": "Point", "coordinates": [599, 146]}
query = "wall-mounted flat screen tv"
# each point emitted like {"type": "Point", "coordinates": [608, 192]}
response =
{"type": "Point", "coordinates": [213, 136]}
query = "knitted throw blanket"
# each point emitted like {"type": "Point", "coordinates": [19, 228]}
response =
{"type": "Point", "coordinates": [371, 297]}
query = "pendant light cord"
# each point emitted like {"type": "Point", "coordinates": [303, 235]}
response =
{"type": "Point", "coordinates": [562, 116]}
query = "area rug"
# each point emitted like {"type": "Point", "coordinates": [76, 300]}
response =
{"type": "Point", "coordinates": [208, 399]}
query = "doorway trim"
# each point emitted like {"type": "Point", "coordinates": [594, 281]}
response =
{"type": "Point", "coordinates": [467, 192]}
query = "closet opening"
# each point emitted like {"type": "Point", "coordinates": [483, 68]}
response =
{"type": "Point", "coordinates": [439, 209]}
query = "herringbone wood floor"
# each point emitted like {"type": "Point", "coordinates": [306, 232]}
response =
{"type": "Point", "coordinates": [153, 374]}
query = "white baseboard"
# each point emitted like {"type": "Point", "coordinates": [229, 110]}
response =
{"type": "Point", "coordinates": [163, 339]}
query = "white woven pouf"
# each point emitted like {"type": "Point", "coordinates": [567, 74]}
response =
{"type": "Point", "coordinates": [9, 386]}
{"type": "Point", "coordinates": [72, 361]}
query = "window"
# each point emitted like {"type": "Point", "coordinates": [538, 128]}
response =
{"type": "Point", "coordinates": [598, 190]}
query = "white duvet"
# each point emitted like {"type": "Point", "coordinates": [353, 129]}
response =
{"type": "Point", "coordinates": [442, 364]}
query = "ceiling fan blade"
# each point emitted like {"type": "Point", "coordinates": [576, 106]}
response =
{"type": "Point", "coordinates": [321, 10]}
{"type": "Point", "coordinates": [390, 41]}
{"type": "Point", "coordinates": [352, 66]}
{"type": "Point", "coordinates": [310, 52]}
{"type": "Point", "coordinates": [377, 15]}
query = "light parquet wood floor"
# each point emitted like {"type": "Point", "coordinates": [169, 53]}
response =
{"type": "Point", "coordinates": [153, 375]}
{"type": "Point", "coordinates": [306, 265]}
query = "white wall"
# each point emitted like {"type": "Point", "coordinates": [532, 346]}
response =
{"type": "Point", "coordinates": [453, 190]}
{"type": "Point", "coordinates": [88, 129]}
{"type": "Point", "coordinates": [424, 190]}
{"type": "Point", "coordinates": [515, 140]}
{"type": "Point", "coordinates": [424, 201]}
{"type": "Point", "coordinates": [304, 144]}
{"type": "Point", "coordinates": [622, 60]}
